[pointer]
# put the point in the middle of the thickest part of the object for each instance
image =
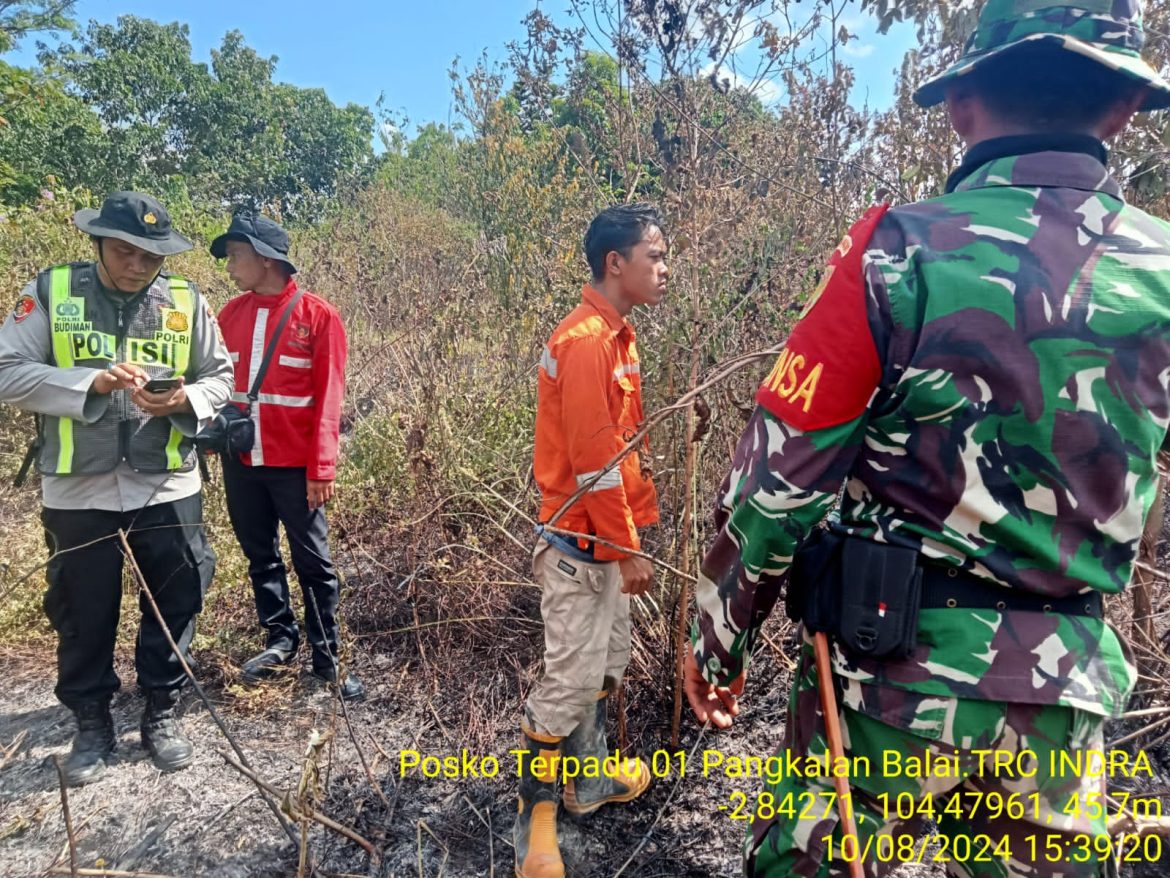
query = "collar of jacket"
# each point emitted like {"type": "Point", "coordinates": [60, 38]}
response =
{"type": "Point", "coordinates": [599, 303]}
{"type": "Point", "coordinates": [1079, 163]}
{"type": "Point", "coordinates": [282, 296]}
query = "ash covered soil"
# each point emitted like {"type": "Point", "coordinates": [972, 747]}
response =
{"type": "Point", "coordinates": [436, 690]}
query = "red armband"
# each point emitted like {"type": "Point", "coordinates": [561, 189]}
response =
{"type": "Point", "coordinates": [829, 369]}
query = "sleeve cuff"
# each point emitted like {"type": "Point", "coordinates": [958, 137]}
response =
{"type": "Point", "coordinates": [201, 412]}
{"type": "Point", "coordinates": [95, 404]}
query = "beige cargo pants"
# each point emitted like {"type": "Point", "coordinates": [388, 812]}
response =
{"type": "Point", "coordinates": [586, 637]}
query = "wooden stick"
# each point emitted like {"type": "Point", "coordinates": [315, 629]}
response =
{"type": "Point", "coordinates": [112, 873]}
{"type": "Point", "coordinates": [68, 819]}
{"type": "Point", "coordinates": [837, 752]}
{"type": "Point", "coordinates": [141, 580]}
{"type": "Point", "coordinates": [309, 812]}
{"type": "Point", "coordinates": [726, 370]}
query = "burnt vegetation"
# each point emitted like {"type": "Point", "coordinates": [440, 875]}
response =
{"type": "Point", "coordinates": [451, 257]}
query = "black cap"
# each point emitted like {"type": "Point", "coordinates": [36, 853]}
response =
{"type": "Point", "coordinates": [266, 237]}
{"type": "Point", "coordinates": [135, 218]}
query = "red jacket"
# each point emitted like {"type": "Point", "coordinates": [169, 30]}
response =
{"type": "Point", "coordinates": [299, 411]}
{"type": "Point", "coordinates": [589, 404]}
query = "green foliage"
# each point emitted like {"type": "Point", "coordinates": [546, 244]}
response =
{"type": "Point", "coordinates": [452, 257]}
{"type": "Point", "coordinates": [46, 134]}
{"type": "Point", "coordinates": [128, 108]}
{"type": "Point", "coordinates": [429, 168]}
{"type": "Point", "coordinates": [19, 18]}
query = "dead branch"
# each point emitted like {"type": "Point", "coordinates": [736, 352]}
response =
{"type": "Point", "coordinates": [10, 750]}
{"type": "Point", "coordinates": [68, 818]}
{"type": "Point", "coordinates": [572, 534]}
{"type": "Point", "coordinates": [339, 676]}
{"type": "Point", "coordinates": [306, 812]}
{"type": "Point", "coordinates": [725, 371]}
{"type": "Point", "coordinates": [141, 580]}
{"type": "Point", "coordinates": [1128, 824]}
{"type": "Point", "coordinates": [111, 873]}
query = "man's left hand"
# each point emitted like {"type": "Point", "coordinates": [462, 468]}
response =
{"type": "Point", "coordinates": [166, 402]}
{"type": "Point", "coordinates": [320, 492]}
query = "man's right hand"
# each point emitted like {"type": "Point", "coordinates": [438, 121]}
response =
{"type": "Point", "coordinates": [119, 377]}
{"type": "Point", "coordinates": [719, 704]}
{"type": "Point", "coordinates": [637, 574]}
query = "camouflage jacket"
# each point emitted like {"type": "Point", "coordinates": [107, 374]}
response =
{"type": "Point", "coordinates": [988, 375]}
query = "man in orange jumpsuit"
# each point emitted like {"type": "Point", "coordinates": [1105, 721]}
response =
{"type": "Point", "coordinates": [589, 404]}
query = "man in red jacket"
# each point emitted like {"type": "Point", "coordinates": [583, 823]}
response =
{"type": "Point", "coordinates": [288, 476]}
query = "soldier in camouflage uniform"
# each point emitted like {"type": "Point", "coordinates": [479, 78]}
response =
{"type": "Point", "coordinates": [987, 373]}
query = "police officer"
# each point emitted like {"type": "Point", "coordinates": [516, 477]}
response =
{"type": "Point", "coordinates": [988, 372]}
{"type": "Point", "coordinates": [78, 350]}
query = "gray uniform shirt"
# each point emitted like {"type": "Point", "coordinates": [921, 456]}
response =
{"type": "Point", "coordinates": [29, 382]}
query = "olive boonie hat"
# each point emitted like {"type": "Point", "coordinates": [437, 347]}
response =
{"type": "Point", "coordinates": [266, 237]}
{"type": "Point", "coordinates": [1106, 31]}
{"type": "Point", "coordinates": [135, 218]}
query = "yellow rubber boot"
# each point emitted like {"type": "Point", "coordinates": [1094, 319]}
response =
{"type": "Point", "coordinates": [601, 777]}
{"type": "Point", "coordinates": [535, 833]}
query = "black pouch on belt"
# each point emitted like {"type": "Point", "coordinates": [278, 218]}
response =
{"type": "Point", "coordinates": [881, 589]}
{"type": "Point", "coordinates": [813, 595]}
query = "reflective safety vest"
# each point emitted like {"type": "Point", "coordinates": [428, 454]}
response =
{"type": "Point", "coordinates": [94, 329]}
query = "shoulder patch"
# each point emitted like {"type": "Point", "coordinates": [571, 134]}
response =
{"type": "Point", "coordinates": [829, 368]}
{"type": "Point", "coordinates": [25, 305]}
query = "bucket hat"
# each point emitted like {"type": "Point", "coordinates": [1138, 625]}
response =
{"type": "Point", "coordinates": [266, 237]}
{"type": "Point", "coordinates": [1106, 31]}
{"type": "Point", "coordinates": [135, 218]}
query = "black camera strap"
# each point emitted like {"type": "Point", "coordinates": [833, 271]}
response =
{"type": "Point", "coordinates": [254, 393]}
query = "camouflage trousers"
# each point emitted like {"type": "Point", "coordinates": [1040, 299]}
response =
{"type": "Point", "coordinates": [979, 788]}
{"type": "Point", "coordinates": [586, 637]}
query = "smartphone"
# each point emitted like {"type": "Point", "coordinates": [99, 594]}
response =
{"type": "Point", "coordinates": [161, 385]}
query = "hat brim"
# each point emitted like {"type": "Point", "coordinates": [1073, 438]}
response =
{"type": "Point", "coordinates": [219, 248]}
{"type": "Point", "coordinates": [89, 220]}
{"type": "Point", "coordinates": [1157, 98]}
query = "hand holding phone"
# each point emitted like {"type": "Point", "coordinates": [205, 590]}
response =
{"type": "Point", "coordinates": [160, 397]}
{"type": "Point", "coordinates": [162, 385]}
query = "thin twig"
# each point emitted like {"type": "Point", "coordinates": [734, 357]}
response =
{"type": "Point", "coordinates": [68, 818]}
{"type": "Point", "coordinates": [112, 873]}
{"type": "Point", "coordinates": [726, 370]}
{"type": "Point", "coordinates": [340, 681]}
{"type": "Point", "coordinates": [310, 813]}
{"type": "Point", "coordinates": [10, 750]}
{"type": "Point", "coordinates": [657, 817]}
{"type": "Point", "coordinates": [284, 824]}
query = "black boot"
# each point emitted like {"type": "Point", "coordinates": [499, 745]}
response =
{"type": "Point", "coordinates": [264, 664]}
{"type": "Point", "coordinates": [350, 687]}
{"type": "Point", "coordinates": [162, 736]}
{"type": "Point", "coordinates": [603, 776]}
{"type": "Point", "coordinates": [93, 743]}
{"type": "Point", "coordinates": [534, 835]}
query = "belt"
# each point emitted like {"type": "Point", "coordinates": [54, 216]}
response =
{"type": "Point", "coordinates": [949, 587]}
{"type": "Point", "coordinates": [568, 545]}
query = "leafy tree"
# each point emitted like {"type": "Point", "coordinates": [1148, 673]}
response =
{"type": "Point", "coordinates": [45, 135]}
{"type": "Point", "coordinates": [230, 133]}
{"type": "Point", "coordinates": [19, 18]}
{"type": "Point", "coordinates": [138, 77]}
{"type": "Point", "coordinates": [429, 168]}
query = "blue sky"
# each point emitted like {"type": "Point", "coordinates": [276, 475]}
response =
{"type": "Point", "coordinates": [357, 49]}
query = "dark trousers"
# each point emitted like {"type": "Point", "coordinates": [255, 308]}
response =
{"type": "Point", "coordinates": [84, 596]}
{"type": "Point", "coordinates": [258, 499]}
